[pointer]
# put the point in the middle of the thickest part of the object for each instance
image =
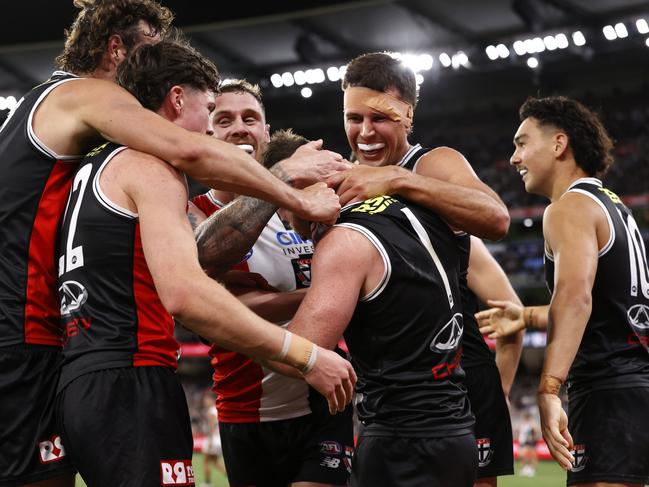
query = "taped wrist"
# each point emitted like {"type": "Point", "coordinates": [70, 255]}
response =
{"type": "Point", "coordinates": [298, 352]}
{"type": "Point", "coordinates": [550, 384]}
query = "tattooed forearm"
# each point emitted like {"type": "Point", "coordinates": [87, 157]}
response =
{"type": "Point", "coordinates": [226, 236]}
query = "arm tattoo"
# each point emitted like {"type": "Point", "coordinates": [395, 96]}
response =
{"type": "Point", "coordinates": [227, 235]}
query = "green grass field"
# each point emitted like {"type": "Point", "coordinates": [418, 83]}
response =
{"type": "Point", "coordinates": [548, 474]}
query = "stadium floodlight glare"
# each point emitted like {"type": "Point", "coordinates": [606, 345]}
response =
{"type": "Point", "coordinates": [530, 48]}
{"type": "Point", "coordinates": [287, 79]}
{"type": "Point", "coordinates": [299, 77]}
{"type": "Point", "coordinates": [459, 59]}
{"type": "Point", "coordinates": [533, 62]}
{"type": "Point", "coordinates": [578, 38]}
{"type": "Point", "coordinates": [519, 48]}
{"type": "Point", "coordinates": [620, 30]}
{"type": "Point", "coordinates": [550, 43]}
{"type": "Point", "coordinates": [306, 92]}
{"type": "Point", "coordinates": [642, 26]}
{"type": "Point", "coordinates": [426, 62]}
{"type": "Point", "coordinates": [492, 52]}
{"type": "Point", "coordinates": [539, 45]}
{"type": "Point", "coordinates": [609, 33]}
{"type": "Point", "coordinates": [333, 74]}
{"type": "Point", "coordinates": [528, 222]}
{"type": "Point", "coordinates": [502, 50]}
{"type": "Point", "coordinates": [562, 41]}
{"type": "Point", "coordinates": [419, 78]}
{"type": "Point", "coordinates": [647, 42]}
{"type": "Point", "coordinates": [342, 70]}
{"type": "Point", "coordinates": [276, 80]}
{"type": "Point", "coordinates": [445, 59]}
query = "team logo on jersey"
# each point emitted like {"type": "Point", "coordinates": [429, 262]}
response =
{"type": "Point", "coordinates": [449, 337]}
{"type": "Point", "coordinates": [579, 453]}
{"type": "Point", "coordinates": [73, 296]}
{"type": "Point", "coordinates": [97, 150]}
{"type": "Point", "coordinates": [638, 316]}
{"type": "Point", "coordinates": [302, 271]}
{"type": "Point", "coordinates": [176, 472]}
{"type": "Point", "coordinates": [51, 450]}
{"type": "Point", "coordinates": [374, 205]}
{"type": "Point", "coordinates": [485, 452]}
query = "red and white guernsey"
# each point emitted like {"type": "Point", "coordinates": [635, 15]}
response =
{"type": "Point", "coordinates": [34, 184]}
{"type": "Point", "coordinates": [110, 309]}
{"type": "Point", "coordinates": [247, 392]}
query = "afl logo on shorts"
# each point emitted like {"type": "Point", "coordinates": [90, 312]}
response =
{"type": "Point", "coordinates": [51, 450]}
{"type": "Point", "coordinates": [449, 337]}
{"type": "Point", "coordinates": [580, 458]}
{"type": "Point", "coordinates": [73, 296]}
{"type": "Point", "coordinates": [638, 316]}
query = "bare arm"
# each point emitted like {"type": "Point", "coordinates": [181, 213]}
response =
{"type": "Point", "coordinates": [488, 281]}
{"type": "Point", "coordinates": [570, 231]}
{"type": "Point", "coordinates": [505, 318]}
{"type": "Point", "coordinates": [87, 110]}
{"type": "Point", "coordinates": [444, 182]}
{"type": "Point", "coordinates": [200, 303]}
{"type": "Point", "coordinates": [275, 306]}
{"type": "Point", "coordinates": [344, 266]}
{"type": "Point", "coordinates": [225, 237]}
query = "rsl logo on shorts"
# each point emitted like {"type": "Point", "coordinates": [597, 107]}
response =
{"type": "Point", "coordinates": [51, 450]}
{"type": "Point", "coordinates": [579, 453]}
{"type": "Point", "coordinates": [176, 472]}
{"type": "Point", "coordinates": [485, 452]}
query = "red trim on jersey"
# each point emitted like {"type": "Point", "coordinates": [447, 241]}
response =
{"type": "Point", "coordinates": [156, 344]}
{"type": "Point", "coordinates": [204, 203]}
{"type": "Point", "coordinates": [42, 306]}
{"type": "Point", "coordinates": [238, 396]}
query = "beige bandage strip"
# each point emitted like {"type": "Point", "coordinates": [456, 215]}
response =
{"type": "Point", "coordinates": [550, 384]}
{"type": "Point", "coordinates": [393, 108]}
{"type": "Point", "coordinates": [298, 352]}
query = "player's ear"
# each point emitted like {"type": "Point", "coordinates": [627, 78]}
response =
{"type": "Point", "coordinates": [560, 144]}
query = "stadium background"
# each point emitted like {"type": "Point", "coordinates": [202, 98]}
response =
{"type": "Point", "coordinates": [476, 60]}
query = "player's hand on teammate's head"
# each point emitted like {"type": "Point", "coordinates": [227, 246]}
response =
{"type": "Point", "coordinates": [320, 204]}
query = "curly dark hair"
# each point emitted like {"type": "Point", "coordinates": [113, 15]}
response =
{"type": "Point", "coordinates": [591, 145]}
{"type": "Point", "coordinates": [151, 70]}
{"type": "Point", "coordinates": [98, 20]}
{"type": "Point", "coordinates": [282, 145]}
{"type": "Point", "coordinates": [379, 71]}
{"type": "Point", "coordinates": [243, 86]}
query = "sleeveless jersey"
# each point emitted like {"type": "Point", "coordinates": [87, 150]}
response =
{"type": "Point", "coordinates": [247, 392]}
{"type": "Point", "coordinates": [614, 351]}
{"type": "Point", "coordinates": [110, 309]}
{"type": "Point", "coordinates": [475, 352]}
{"type": "Point", "coordinates": [34, 184]}
{"type": "Point", "coordinates": [405, 335]}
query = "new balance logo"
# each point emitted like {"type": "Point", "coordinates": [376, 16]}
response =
{"type": "Point", "coordinates": [330, 462]}
{"type": "Point", "coordinates": [51, 450]}
{"type": "Point", "coordinates": [177, 472]}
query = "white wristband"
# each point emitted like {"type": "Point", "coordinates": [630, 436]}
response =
{"type": "Point", "coordinates": [310, 364]}
{"type": "Point", "coordinates": [288, 337]}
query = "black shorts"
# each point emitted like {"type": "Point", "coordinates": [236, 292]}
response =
{"type": "Point", "coordinates": [609, 431]}
{"type": "Point", "coordinates": [414, 462]}
{"type": "Point", "coordinates": [128, 427]}
{"type": "Point", "coordinates": [30, 444]}
{"type": "Point", "coordinates": [493, 427]}
{"type": "Point", "coordinates": [313, 448]}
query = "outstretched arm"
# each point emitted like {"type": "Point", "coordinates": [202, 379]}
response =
{"type": "Point", "coordinates": [203, 305]}
{"type": "Point", "coordinates": [444, 182]}
{"type": "Point", "coordinates": [87, 110]}
{"type": "Point", "coordinates": [488, 281]}
{"type": "Point", "coordinates": [506, 318]}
